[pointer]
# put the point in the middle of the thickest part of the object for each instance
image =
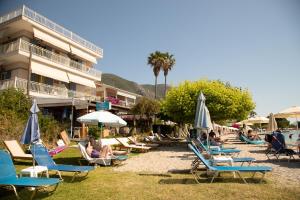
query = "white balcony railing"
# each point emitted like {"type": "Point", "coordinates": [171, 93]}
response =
{"type": "Point", "coordinates": [49, 55]}
{"type": "Point", "coordinates": [41, 88]}
{"type": "Point", "coordinates": [24, 11]}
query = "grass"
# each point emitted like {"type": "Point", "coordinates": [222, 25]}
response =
{"type": "Point", "coordinates": [105, 183]}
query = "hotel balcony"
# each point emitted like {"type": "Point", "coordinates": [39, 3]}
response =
{"type": "Point", "coordinates": [120, 103]}
{"type": "Point", "coordinates": [43, 21]}
{"type": "Point", "coordinates": [24, 46]}
{"type": "Point", "coordinates": [44, 90]}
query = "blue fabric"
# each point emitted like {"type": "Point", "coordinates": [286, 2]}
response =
{"type": "Point", "coordinates": [215, 152]}
{"type": "Point", "coordinates": [43, 158]}
{"type": "Point", "coordinates": [243, 159]}
{"type": "Point", "coordinates": [243, 168]}
{"type": "Point", "coordinates": [32, 130]}
{"type": "Point", "coordinates": [245, 139]}
{"type": "Point", "coordinates": [8, 175]}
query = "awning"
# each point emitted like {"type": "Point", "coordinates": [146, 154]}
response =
{"type": "Point", "coordinates": [80, 80]}
{"type": "Point", "coordinates": [48, 71]}
{"type": "Point", "coordinates": [126, 95]}
{"type": "Point", "coordinates": [51, 40]}
{"type": "Point", "coordinates": [83, 54]}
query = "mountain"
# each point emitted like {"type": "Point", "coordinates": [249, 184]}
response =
{"type": "Point", "coordinates": [146, 90]}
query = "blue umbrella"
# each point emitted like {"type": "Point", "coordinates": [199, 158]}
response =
{"type": "Point", "coordinates": [202, 118]}
{"type": "Point", "coordinates": [31, 132]}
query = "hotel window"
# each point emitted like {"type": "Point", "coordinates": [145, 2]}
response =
{"type": "Point", "coordinates": [72, 86]}
{"type": "Point", "coordinates": [5, 75]}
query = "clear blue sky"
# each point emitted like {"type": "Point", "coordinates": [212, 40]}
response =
{"type": "Point", "coordinates": [253, 44]}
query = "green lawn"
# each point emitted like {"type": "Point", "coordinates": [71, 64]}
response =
{"type": "Point", "coordinates": [104, 183]}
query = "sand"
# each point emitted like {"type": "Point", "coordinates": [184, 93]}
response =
{"type": "Point", "coordinates": [179, 157]}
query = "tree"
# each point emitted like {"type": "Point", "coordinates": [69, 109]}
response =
{"type": "Point", "coordinates": [282, 122]}
{"type": "Point", "coordinates": [14, 113]}
{"type": "Point", "coordinates": [147, 107]}
{"type": "Point", "coordinates": [224, 101]}
{"type": "Point", "coordinates": [169, 62]}
{"type": "Point", "coordinates": [156, 61]}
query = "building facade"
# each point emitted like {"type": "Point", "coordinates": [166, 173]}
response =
{"type": "Point", "coordinates": [53, 64]}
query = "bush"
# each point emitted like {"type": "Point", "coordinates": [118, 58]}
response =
{"type": "Point", "coordinates": [14, 113]}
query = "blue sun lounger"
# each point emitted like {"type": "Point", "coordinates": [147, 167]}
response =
{"type": "Point", "coordinates": [241, 160]}
{"type": "Point", "coordinates": [245, 139]}
{"type": "Point", "coordinates": [43, 158]}
{"type": "Point", "coordinates": [237, 169]}
{"type": "Point", "coordinates": [216, 151]}
{"type": "Point", "coordinates": [8, 177]}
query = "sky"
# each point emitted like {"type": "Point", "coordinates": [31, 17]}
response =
{"type": "Point", "coordinates": [253, 44]}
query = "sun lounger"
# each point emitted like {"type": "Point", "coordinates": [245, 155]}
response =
{"type": "Point", "coordinates": [216, 151]}
{"type": "Point", "coordinates": [16, 150]}
{"type": "Point", "coordinates": [8, 177]}
{"type": "Point", "coordinates": [248, 141]}
{"type": "Point", "coordinates": [278, 148]}
{"type": "Point", "coordinates": [133, 140]}
{"type": "Point", "coordinates": [124, 142]}
{"type": "Point", "coordinates": [216, 170]}
{"type": "Point", "coordinates": [43, 158]}
{"type": "Point", "coordinates": [99, 161]}
{"type": "Point", "coordinates": [222, 159]}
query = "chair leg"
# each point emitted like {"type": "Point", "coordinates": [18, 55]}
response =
{"type": "Point", "coordinates": [74, 176]}
{"type": "Point", "coordinates": [33, 193]}
{"type": "Point", "coordinates": [215, 175]}
{"type": "Point", "coordinates": [253, 174]}
{"type": "Point", "coordinates": [263, 176]}
{"type": "Point", "coordinates": [241, 177]}
{"type": "Point", "coordinates": [15, 191]}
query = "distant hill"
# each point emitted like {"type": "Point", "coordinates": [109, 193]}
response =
{"type": "Point", "coordinates": [146, 90]}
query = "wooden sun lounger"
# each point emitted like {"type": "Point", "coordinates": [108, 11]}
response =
{"type": "Point", "coordinates": [124, 142]}
{"type": "Point", "coordinates": [16, 150]}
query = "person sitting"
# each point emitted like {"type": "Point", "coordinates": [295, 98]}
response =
{"type": "Point", "coordinates": [97, 150]}
{"type": "Point", "coordinates": [252, 136]}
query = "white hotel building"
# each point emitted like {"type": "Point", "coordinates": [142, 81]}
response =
{"type": "Point", "coordinates": [51, 63]}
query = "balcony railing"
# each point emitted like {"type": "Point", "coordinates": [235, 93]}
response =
{"type": "Point", "coordinates": [24, 11]}
{"type": "Point", "coordinates": [116, 101]}
{"type": "Point", "coordinates": [41, 88]}
{"type": "Point", "coordinates": [49, 55]}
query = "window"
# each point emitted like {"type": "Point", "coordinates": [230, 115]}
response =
{"type": "Point", "coordinates": [5, 75]}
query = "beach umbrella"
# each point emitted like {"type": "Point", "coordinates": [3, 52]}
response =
{"type": "Point", "coordinates": [103, 117]}
{"type": "Point", "coordinates": [202, 118]}
{"type": "Point", "coordinates": [257, 120]}
{"type": "Point", "coordinates": [292, 112]}
{"type": "Point", "coordinates": [31, 132]}
{"type": "Point", "coordinates": [272, 126]}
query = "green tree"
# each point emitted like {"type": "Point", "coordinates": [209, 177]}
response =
{"type": "Point", "coordinates": [224, 101]}
{"type": "Point", "coordinates": [156, 60]}
{"type": "Point", "coordinates": [14, 113]}
{"type": "Point", "coordinates": [146, 107]}
{"type": "Point", "coordinates": [169, 62]}
{"type": "Point", "coordinates": [282, 122]}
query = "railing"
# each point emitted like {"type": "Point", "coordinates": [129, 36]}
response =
{"type": "Point", "coordinates": [49, 55]}
{"type": "Point", "coordinates": [51, 25]}
{"type": "Point", "coordinates": [44, 89]}
{"type": "Point", "coordinates": [116, 101]}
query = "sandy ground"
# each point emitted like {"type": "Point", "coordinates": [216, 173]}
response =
{"type": "Point", "coordinates": [178, 158]}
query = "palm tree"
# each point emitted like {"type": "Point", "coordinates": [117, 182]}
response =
{"type": "Point", "coordinates": [156, 61]}
{"type": "Point", "coordinates": [169, 62]}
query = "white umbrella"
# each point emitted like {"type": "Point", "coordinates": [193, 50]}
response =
{"type": "Point", "coordinates": [292, 112]}
{"type": "Point", "coordinates": [202, 118]}
{"type": "Point", "coordinates": [272, 126]}
{"type": "Point", "coordinates": [257, 120]}
{"type": "Point", "coordinates": [104, 117]}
